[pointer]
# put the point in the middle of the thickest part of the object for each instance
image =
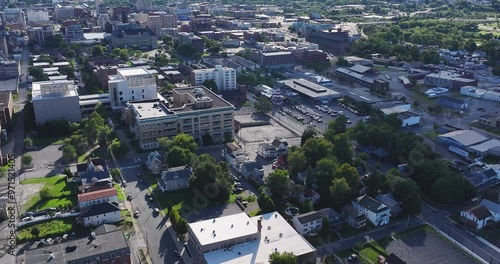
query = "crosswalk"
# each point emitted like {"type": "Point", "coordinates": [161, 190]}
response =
{"type": "Point", "coordinates": [129, 167]}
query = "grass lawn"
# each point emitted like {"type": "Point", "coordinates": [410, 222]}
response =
{"type": "Point", "coordinates": [121, 195]}
{"type": "Point", "coordinates": [46, 229]}
{"type": "Point", "coordinates": [45, 141]}
{"type": "Point", "coordinates": [347, 231]}
{"type": "Point", "coordinates": [98, 152]}
{"type": "Point", "coordinates": [61, 193]}
{"type": "Point", "coordinates": [431, 134]}
{"type": "Point", "coordinates": [126, 224]}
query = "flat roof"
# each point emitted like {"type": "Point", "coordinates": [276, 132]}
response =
{"type": "Point", "coordinates": [407, 114]}
{"type": "Point", "coordinates": [223, 228]}
{"type": "Point", "coordinates": [465, 137]}
{"type": "Point", "coordinates": [150, 109]}
{"type": "Point", "coordinates": [309, 88]}
{"type": "Point", "coordinates": [53, 89]}
{"type": "Point", "coordinates": [78, 249]}
{"type": "Point", "coordinates": [280, 236]}
{"type": "Point", "coordinates": [485, 146]}
{"type": "Point", "coordinates": [276, 53]}
{"type": "Point", "coordinates": [217, 101]}
{"type": "Point", "coordinates": [133, 72]}
{"type": "Point", "coordinates": [450, 76]}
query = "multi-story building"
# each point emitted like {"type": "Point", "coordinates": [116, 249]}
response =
{"type": "Point", "coordinates": [191, 39]}
{"type": "Point", "coordinates": [274, 60]}
{"type": "Point", "coordinates": [9, 69]}
{"type": "Point", "coordinates": [449, 80]}
{"type": "Point", "coordinates": [53, 100]}
{"type": "Point", "coordinates": [376, 212]}
{"type": "Point", "coordinates": [130, 84]}
{"type": "Point", "coordinates": [336, 41]}
{"type": "Point", "coordinates": [74, 32]}
{"type": "Point", "coordinates": [13, 16]}
{"type": "Point", "coordinates": [491, 120]}
{"type": "Point", "coordinates": [35, 15]}
{"type": "Point", "coordinates": [240, 239]}
{"type": "Point", "coordinates": [62, 12]}
{"type": "Point", "coordinates": [159, 20]}
{"type": "Point", "coordinates": [176, 178]}
{"type": "Point", "coordinates": [224, 77]}
{"type": "Point", "coordinates": [194, 110]}
{"type": "Point", "coordinates": [38, 34]}
{"type": "Point", "coordinates": [308, 223]}
{"type": "Point", "coordinates": [103, 19]}
{"type": "Point", "coordinates": [143, 38]}
{"type": "Point", "coordinates": [144, 5]}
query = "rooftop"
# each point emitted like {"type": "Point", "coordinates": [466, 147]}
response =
{"type": "Point", "coordinates": [407, 114]}
{"type": "Point", "coordinates": [448, 75]}
{"type": "Point", "coordinates": [79, 249]}
{"type": "Point", "coordinates": [89, 196]}
{"type": "Point", "coordinates": [99, 209]}
{"type": "Point", "coordinates": [276, 234]}
{"type": "Point", "coordinates": [371, 204]}
{"type": "Point", "coordinates": [5, 97]}
{"type": "Point", "coordinates": [309, 217]}
{"type": "Point", "coordinates": [309, 88]}
{"type": "Point", "coordinates": [134, 72]}
{"type": "Point", "coordinates": [53, 89]}
{"type": "Point", "coordinates": [150, 109]}
{"type": "Point", "coordinates": [360, 68]}
{"type": "Point", "coordinates": [480, 212]}
{"type": "Point", "coordinates": [276, 53]}
{"type": "Point", "coordinates": [465, 137]}
{"type": "Point", "coordinates": [176, 173]}
{"type": "Point", "coordinates": [486, 145]}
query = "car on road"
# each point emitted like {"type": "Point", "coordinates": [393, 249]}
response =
{"type": "Point", "coordinates": [156, 211]}
{"type": "Point", "coordinates": [238, 185]}
{"type": "Point", "coordinates": [26, 219]}
{"type": "Point", "coordinates": [129, 196]}
{"type": "Point", "coordinates": [149, 197]}
{"type": "Point", "coordinates": [352, 257]}
{"type": "Point", "coordinates": [137, 213]}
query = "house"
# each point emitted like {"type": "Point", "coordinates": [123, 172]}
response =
{"type": "Point", "coordinates": [302, 176]}
{"type": "Point", "coordinates": [388, 200]}
{"type": "Point", "coordinates": [97, 197]}
{"type": "Point", "coordinates": [309, 195]}
{"type": "Point", "coordinates": [376, 212]}
{"type": "Point", "coordinates": [252, 170]}
{"type": "Point", "coordinates": [281, 146]}
{"type": "Point", "coordinates": [353, 217]}
{"type": "Point", "coordinates": [175, 178]}
{"type": "Point", "coordinates": [267, 151]}
{"type": "Point", "coordinates": [156, 162]}
{"type": "Point", "coordinates": [95, 186]}
{"type": "Point", "coordinates": [233, 154]}
{"type": "Point", "coordinates": [333, 217]}
{"type": "Point", "coordinates": [477, 217]}
{"type": "Point", "coordinates": [98, 214]}
{"type": "Point", "coordinates": [308, 223]}
{"type": "Point", "coordinates": [93, 170]}
{"type": "Point", "coordinates": [494, 208]}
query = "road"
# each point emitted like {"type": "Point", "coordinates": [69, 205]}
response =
{"type": "Point", "coordinates": [440, 220]}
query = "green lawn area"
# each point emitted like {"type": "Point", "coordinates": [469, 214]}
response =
{"type": "Point", "coordinates": [126, 224]}
{"type": "Point", "coordinates": [61, 193]}
{"type": "Point", "coordinates": [98, 152]}
{"type": "Point", "coordinates": [45, 141]}
{"type": "Point", "coordinates": [347, 231]}
{"type": "Point", "coordinates": [46, 229]}
{"type": "Point", "coordinates": [121, 195]}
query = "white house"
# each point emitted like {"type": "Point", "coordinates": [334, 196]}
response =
{"type": "Point", "coordinates": [309, 195]}
{"type": "Point", "coordinates": [252, 170]}
{"type": "Point", "coordinates": [93, 170]}
{"type": "Point", "coordinates": [175, 178]}
{"type": "Point", "coordinates": [267, 151]}
{"type": "Point", "coordinates": [376, 212]}
{"type": "Point", "coordinates": [308, 223]}
{"type": "Point", "coordinates": [98, 214]}
{"type": "Point", "coordinates": [477, 217]}
{"type": "Point", "coordinates": [389, 200]}
{"type": "Point", "coordinates": [281, 146]}
{"type": "Point", "coordinates": [233, 154]}
{"type": "Point", "coordinates": [97, 197]}
{"type": "Point", "coordinates": [156, 162]}
{"type": "Point", "coordinates": [494, 208]}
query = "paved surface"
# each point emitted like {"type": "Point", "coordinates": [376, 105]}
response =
{"type": "Point", "coordinates": [213, 212]}
{"type": "Point", "coordinates": [427, 248]}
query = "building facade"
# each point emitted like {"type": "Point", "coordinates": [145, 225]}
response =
{"type": "Point", "coordinates": [308, 223]}
{"type": "Point", "coordinates": [143, 38]}
{"type": "Point", "coordinates": [130, 84]}
{"type": "Point", "coordinates": [376, 212]}
{"type": "Point", "coordinates": [191, 39]}
{"type": "Point", "coordinates": [224, 77]}
{"type": "Point", "coordinates": [62, 12]}
{"type": "Point", "coordinates": [38, 34]}
{"type": "Point", "coordinates": [97, 197]}
{"type": "Point", "coordinates": [35, 15]}
{"type": "Point", "coordinates": [74, 32]}
{"type": "Point", "coordinates": [9, 69]}
{"type": "Point", "coordinates": [55, 100]}
{"type": "Point", "coordinates": [98, 214]}
{"type": "Point", "coordinates": [6, 109]}
{"type": "Point", "coordinates": [195, 110]}
{"type": "Point", "coordinates": [176, 178]}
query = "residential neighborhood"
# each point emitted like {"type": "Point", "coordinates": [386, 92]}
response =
{"type": "Point", "coordinates": [249, 132]}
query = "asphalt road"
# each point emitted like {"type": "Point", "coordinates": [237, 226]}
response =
{"type": "Point", "coordinates": [440, 220]}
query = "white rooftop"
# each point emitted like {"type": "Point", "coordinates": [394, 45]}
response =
{"type": "Point", "coordinates": [277, 234]}
{"type": "Point", "coordinates": [150, 109]}
{"type": "Point", "coordinates": [226, 228]}
{"type": "Point", "coordinates": [486, 145]}
{"type": "Point", "coordinates": [133, 72]}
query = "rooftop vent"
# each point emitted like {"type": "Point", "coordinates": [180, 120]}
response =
{"type": "Point", "coordinates": [232, 226]}
{"type": "Point", "coordinates": [281, 235]}
{"type": "Point", "coordinates": [213, 221]}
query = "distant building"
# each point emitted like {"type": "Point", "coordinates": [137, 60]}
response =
{"type": "Point", "coordinates": [74, 32]}
{"type": "Point", "coordinates": [353, 60]}
{"type": "Point", "coordinates": [130, 84]}
{"type": "Point", "coordinates": [461, 138]}
{"type": "Point", "coordinates": [38, 34]}
{"type": "Point", "coordinates": [233, 154]}
{"type": "Point", "coordinates": [224, 77]}
{"type": "Point", "coordinates": [195, 110]}
{"type": "Point", "coordinates": [143, 38]}
{"type": "Point", "coordinates": [176, 178]}
{"type": "Point", "coordinates": [35, 15]}
{"type": "Point", "coordinates": [274, 60]}
{"type": "Point", "coordinates": [336, 41]}
{"type": "Point", "coordinates": [309, 195]}
{"type": "Point", "coordinates": [477, 217]}
{"type": "Point", "coordinates": [191, 39]}
{"type": "Point", "coordinates": [491, 120]}
{"type": "Point", "coordinates": [389, 200]}
{"type": "Point", "coordinates": [6, 109]}
{"type": "Point", "coordinates": [13, 16]}
{"type": "Point", "coordinates": [9, 69]}
{"type": "Point", "coordinates": [252, 170]}
{"type": "Point", "coordinates": [62, 12]}
{"type": "Point", "coordinates": [101, 213]}
{"type": "Point", "coordinates": [309, 89]}
{"type": "Point", "coordinates": [448, 79]}
{"type": "Point", "coordinates": [53, 100]}
{"type": "Point", "coordinates": [451, 102]}
{"type": "Point", "coordinates": [109, 247]}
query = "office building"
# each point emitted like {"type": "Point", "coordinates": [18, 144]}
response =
{"type": "Point", "coordinates": [35, 15]}
{"type": "Point", "coordinates": [191, 39]}
{"type": "Point", "coordinates": [54, 100]}
{"type": "Point", "coordinates": [336, 41]}
{"type": "Point", "coordinates": [62, 12]}
{"type": "Point", "coordinates": [273, 60]}
{"type": "Point", "coordinates": [224, 77]}
{"type": "Point", "coordinates": [194, 110]}
{"type": "Point", "coordinates": [157, 21]}
{"type": "Point", "coordinates": [74, 32]}
{"type": "Point", "coordinates": [239, 238]}
{"type": "Point", "coordinates": [13, 16]}
{"type": "Point", "coordinates": [38, 34]}
{"type": "Point", "coordinates": [143, 38]}
{"type": "Point", "coordinates": [131, 84]}
{"type": "Point", "coordinates": [9, 69]}
{"type": "Point", "coordinates": [109, 247]}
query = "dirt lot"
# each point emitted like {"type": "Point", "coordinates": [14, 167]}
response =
{"type": "Point", "coordinates": [25, 191]}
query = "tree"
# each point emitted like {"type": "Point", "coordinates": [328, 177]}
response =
{"type": "Point", "coordinates": [325, 227]}
{"type": "Point", "coordinates": [68, 173]}
{"type": "Point", "coordinates": [266, 204]}
{"type": "Point", "coordinates": [182, 226]}
{"type": "Point", "coordinates": [37, 74]}
{"type": "Point", "coordinates": [307, 207]}
{"type": "Point", "coordinates": [211, 85]}
{"type": "Point", "coordinates": [325, 168]}
{"type": "Point", "coordinates": [26, 159]}
{"type": "Point", "coordinates": [28, 142]}
{"type": "Point", "coordinates": [119, 149]}
{"type": "Point", "coordinates": [340, 193]}
{"type": "Point", "coordinates": [35, 231]}
{"type": "Point", "coordinates": [263, 105]}
{"type": "Point", "coordinates": [338, 125]}
{"type": "Point", "coordinates": [341, 61]}
{"type": "Point", "coordinates": [69, 153]}
{"type": "Point", "coordinates": [316, 149]}
{"type": "Point", "coordinates": [115, 174]}
{"type": "Point", "coordinates": [490, 194]}
{"type": "Point", "coordinates": [185, 141]}
{"type": "Point", "coordinates": [178, 156]}
{"type": "Point", "coordinates": [310, 178]}
{"type": "Point", "coordinates": [279, 183]}
{"type": "Point", "coordinates": [308, 133]}
{"type": "Point", "coordinates": [167, 40]}
{"type": "Point", "coordinates": [349, 173]}
{"type": "Point", "coordinates": [375, 182]}
{"type": "Point", "coordinates": [174, 218]}
{"type": "Point", "coordinates": [69, 53]}
{"type": "Point", "coordinates": [97, 51]}
{"type": "Point", "coordinates": [282, 258]}
{"type": "Point", "coordinates": [207, 140]}
{"type": "Point", "coordinates": [407, 191]}
{"type": "Point", "coordinates": [342, 148]}
{"type": "Point", "coordinates": [212, 178]}
{"type": "Point", "coordinates": [296, 162]}
{"type": "Point", "coordinates": [45, 193]}
{"type": "Point", "coordinates": [470, 46]}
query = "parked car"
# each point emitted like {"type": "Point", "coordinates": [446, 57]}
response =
{"type": "Point", "coordinates": [129, 196]}
{"type": "Point", "coordinates": [352, 257]}
{"type": "Point", "coordinates": [137, 213]}
{"type": "Point", "coordinates": [156, 211]}
{"type": "Point", "coordinates": [149, 197]}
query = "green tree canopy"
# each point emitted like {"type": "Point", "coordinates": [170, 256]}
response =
{"type": "Point", "coordinates": [212, 85]}
{"type": "Point", "coordinates": [340, 193]}
{"type": "Point", "coordinates": [316, 149]}
{"type": "Point", "coordinates": [282, 258]}
{"type": "Point", "coordinates": [349, 173]}
{"type": "Point", "coordinates": [279, 183]}
{"type": "Point", "coordinates": [263, 105]}
{"type": "Point", "coordinates": [266, 204]}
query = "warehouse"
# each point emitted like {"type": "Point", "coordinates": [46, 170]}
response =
{"type": "Point", "coordinates": [309, 89]}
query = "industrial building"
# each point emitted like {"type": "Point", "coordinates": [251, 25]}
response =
{"type": "Point", "coordinates": [451, 102]}
{"type": "Point", "coordinates": [54, 100]}
{"type": "Point", "coordinates": [309, 89]}
{"type": "Point", "coordinates": [448, 79]}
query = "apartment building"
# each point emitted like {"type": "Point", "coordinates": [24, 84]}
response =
{"type": "Point", "coordinates": [13, 16]}
{"type": "Point", "coordinates": [191, 39]}
{"type": "Point", "coordinates": [224, 77]}
{"type": "Point", "coordinates": [143, 38]}
{"type": "Point", "coordinates": [194, 110]}
{"type": "Point", "coordinates": [37, 15]}
{"type": "Point", "coordinates": [9, 69]}
{"type": "Point", "coordinates": [131, 84]}
{"type": "Point", "coordinates": [160, 20]}
{"type": "Point", "coordinates": [74, 32]}
{"type": "Point", "coordinates": [38, 34]}
{"type": "Point", "coordinates": [64, 12]}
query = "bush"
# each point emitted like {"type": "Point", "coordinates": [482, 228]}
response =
{"type": "Point", "coordinates": [45, 193]}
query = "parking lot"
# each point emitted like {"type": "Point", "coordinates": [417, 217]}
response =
{"type": "Point", "coordinates": [265, 132]}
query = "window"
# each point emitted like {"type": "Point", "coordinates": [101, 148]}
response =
{"type": "Point", "coordinates": [121, 93]}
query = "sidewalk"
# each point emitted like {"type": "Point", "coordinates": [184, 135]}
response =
{"type": "Point", "coordinates": [136, 241]}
